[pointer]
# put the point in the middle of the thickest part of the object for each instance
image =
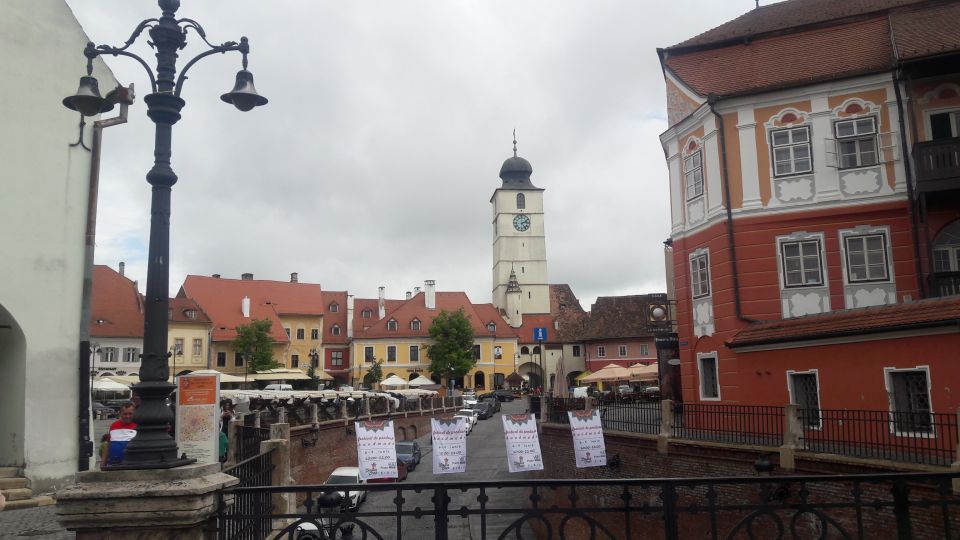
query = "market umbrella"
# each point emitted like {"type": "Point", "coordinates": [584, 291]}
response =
{"type": "Point", "coordinates": [107, 385]}
{"type": "Point", "coordinates": [583, 375]}
{"type": "Point", "coordinates": [421, 381]}
{"type": "Point", "coordinates": [279, 374]}
{"type": "Point", "coordinates": [611, 372]}
{"type": "Point", "coordinates": [515, 379]}
{"type": "Point", "coordinates": [394, 382]}
{"type": "Point", "coordinates": [224, 377]}
{"type": "Point", "coordinates": [560, 388]}
{"type": "Point", "coordinates": [639, 372]}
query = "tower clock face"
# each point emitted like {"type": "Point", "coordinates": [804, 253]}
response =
{"type": "Point", "coordinates": [521, 222]}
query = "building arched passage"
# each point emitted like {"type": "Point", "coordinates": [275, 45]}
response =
{"type": "Point", "coordinates": [413, 375]}
{"type": "Point", "coordinates": [13, 369]}
{"type": "Point", "coordinates": [532, 371]}
{"type": "Point", "coordinates": [572, 378]}
{"type": "Point", "coordinates": [478, 381]}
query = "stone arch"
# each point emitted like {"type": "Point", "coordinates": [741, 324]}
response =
{"type": "Point", "coordinates": [13, 369]}
{"type": "Point", "coordinates": [413, 375]}
{"type": "Point", "coordinates": [401, 433]}
{"type": "Point", "coordinates": [532, 371]}
{"type": "Point", "coordinates": [478, 380]}
{"type": "Point", "coordinates": [414, 433]}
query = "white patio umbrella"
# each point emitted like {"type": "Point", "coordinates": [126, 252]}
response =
{"type": "Point", "coordinates": [393, 382]}
{"type": "Point", "coordinates": [421, 381]}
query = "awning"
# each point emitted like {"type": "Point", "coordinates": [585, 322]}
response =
{"type": "Point", "coordinates": [279, 374]}
{"type": "Point", "coordinates": [107, 385]}
{"type": "Point", "coordinates": [639, 372]}
{"type": "Point", "coordinates": [611, 372]}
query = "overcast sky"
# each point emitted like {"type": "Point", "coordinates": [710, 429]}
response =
{"type": "Point", "coordinates": [375, 160]}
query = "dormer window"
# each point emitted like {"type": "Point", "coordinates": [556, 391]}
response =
{"type": "Point", "coordinates": [334, 307]}
{"type": "Point", "coordinates": [366, 314]}
{"type": "Point", "coordinates": [392, 325]}
{"type": "Point", "coordinates": [335, 330]}
{"type": "Point", "coordinates": [191, 313]}
{"type": "Point", "coordinates": [491, 327]}
{"type": "Point", "coordinates": [415, 324]}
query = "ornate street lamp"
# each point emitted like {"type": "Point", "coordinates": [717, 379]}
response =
{"type": "Point", "coordinates": [153, 447]}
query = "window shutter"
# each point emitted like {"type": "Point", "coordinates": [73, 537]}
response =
{"type": "Point", "coordinates": [889, 150]}
{"type": "Point", "coordinates": [830, 146]}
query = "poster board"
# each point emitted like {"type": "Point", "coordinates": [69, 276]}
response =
{"type": "Point", "coordinates": [198, 417]}
{"type": "Point", "coordinates": [449, 445]}
{"type": "Point", "coordinates": [376, 449]}
{"type": "Point", "coordinates": [588, 445]}
{"type": "Point", "coordinates": [523, 442]}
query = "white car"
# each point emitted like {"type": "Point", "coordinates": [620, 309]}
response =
{"type": "Point", "coordinates": [348, 475]}
{"type": "Point", "coordinates": [469, 401]}
{"type": "Point", "coordinates": [468, 419]}
{"type": "Point", "coordinates": [472, 413]}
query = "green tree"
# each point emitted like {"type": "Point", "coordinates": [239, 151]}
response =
{"type": "Point", "coordinates": [254, 343]}
{"type": "Point", "coordinates": [374, 374]}
{"type": "Point", "coordinates": [451, 354]}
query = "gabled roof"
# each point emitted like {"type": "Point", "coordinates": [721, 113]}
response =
{"type": "Point", "coordinates": [781, 16]}
{"type": "Point", "coordinates": [180, 309]}
{"type": "Point", "coordinates": [116, 308]}
{"type": "Point", "coordinates": [363, 304]}
{"type": "Point", "coordinates": [564, 321]}
{"type": "Point", "coordinates": [926, 30]}
{"type": "Point", "coordinates": [928, 313]}
{"type": "Point", "coordinates": [415, 309]}
{"type": "Point", "coordinates": [222, 300]}
{"type": "Point", "coordinates": [617, 317]}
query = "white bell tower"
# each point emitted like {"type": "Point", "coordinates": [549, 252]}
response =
{"type": "Point", "coordinates": [519, 241]}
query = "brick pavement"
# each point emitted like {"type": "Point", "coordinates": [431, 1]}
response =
{"type": "Point", "coordinates": [36, 523]}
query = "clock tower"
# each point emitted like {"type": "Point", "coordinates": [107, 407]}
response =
{"type": "Point", "coordinates": [519, 243]}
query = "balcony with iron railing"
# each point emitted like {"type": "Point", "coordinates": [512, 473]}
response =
{"type": "Point", "coordinates": [937, 165]}
{"type": "Point", "coordinates": [945, 284]}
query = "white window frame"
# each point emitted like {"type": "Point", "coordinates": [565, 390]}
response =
{"type": "Point", "coordinates": [622, 351]}
{"type": "Point", "coordinates": [335, 330]}
{"type": "Point", "coordinates": [700, 266]}
{"type": "Point", "coordinates": [415, 324]}
{"type": "Point", "coordinates": [644, 349]}
{"type": "Point", "coordinates": [334, 307]}
{"type": "Point", "coordinates": [892, 407]}
{"type": "Point", "coordinates": [791, 147]}
{"type": "Point", "coordinates": [693, 175]}
{"type": "Point", "coordinates": [369, 357]}
{"type": "Point", "coordinates": [314, 333]}
{"type": "Point", "coordinates": [366, 314]}
{"type": "Point", "coordinates": [336, 358]}
{"type": "Point", "coordinates": [783, 242]}
{"type": "Point", "coordinates": [793, 399]}
{"type": "Point", "coordinates": [392, 325]}
{"type": "Point", "coordinates": [109, 354]}
{"type": "Point", "coordinates": [178, 345]}
{"type": "Point", "coordinates": [884, 234]}
{"type": "Point", "coordinates": [414, 353]}
{"type": "Point", "coordinates": [716, 363]}
{"type": "Point", "coordinates": [391, 353]}
{"type": "Point", "coordinates": [197, 346]}
{"type": "Point", "coordinates": [601, 351]}
{"type": "Point", "coordinates": [858, 137]}
{"type": "Point", "coordinates": [954, 114]}
{"type": "Point", "coordinates": [575, 350]}
{"type": "Point", "coordinates": [131, 355]}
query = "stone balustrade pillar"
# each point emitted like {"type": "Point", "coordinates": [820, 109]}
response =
{"type": "Point", "coordinates": [792, 435]}
{"type": "Point", "coordinates": [666, 426]}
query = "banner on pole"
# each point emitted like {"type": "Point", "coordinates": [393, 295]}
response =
{"type": "Point", "coordinates": [198, 417]}
{"type": "Point", "coordinates": [376, 449]}
{"type": "Point", "coordinates": [523, 442]}
{"type": "Point", "coordinates": [449, 445]}
{"type": "Point", "coordinates": [588, 445]}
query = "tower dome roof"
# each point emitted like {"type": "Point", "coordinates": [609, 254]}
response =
{"type": "Point", "coordinates": [515, 171]}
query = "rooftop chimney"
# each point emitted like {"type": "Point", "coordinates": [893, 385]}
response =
{"type": "Point", "coordinates": [294, 278]}
{"type": "Point", "coordinates": [349, 316]}
{"type": "Point", "coordinates": [416, 290]}
{"type": "Point", "coordinates": [382, 304]}
{"type": "Point", "coordinates": [246, 276]}
{"type": "Point", "coordinates": [409, 295]}
{"type": "Point", "coordinates": [122, 266]}
{"type": "Point", "coordinates": [431, 299]}
{"type": "Point", "coordinates": [245, 306]}
{"type": "Point", "coordinates": [216, 276]}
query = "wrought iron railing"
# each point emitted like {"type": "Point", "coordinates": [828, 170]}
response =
{"type": "Point", "coordinates": [248, 441]}
{"type": "Point", "coordinates": [254, 504]}
{"type": "Point", "coordinates": [937, 161]}
{"type": "Point", "coordinates": [929, 438]}
{"type": "Point", "coordinates": [945, 283]}
{"type": "Point", "coordinates": [902, 506]}
{"type": "Point", "coordinates": [557, 408]}
{"type": "Point", "coordinates": [760, 425]}
{"type": "Point", "coordinates": [633, 416]}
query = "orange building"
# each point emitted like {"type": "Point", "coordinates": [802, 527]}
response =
{"type": "Point", "coordinates": [813, 157]}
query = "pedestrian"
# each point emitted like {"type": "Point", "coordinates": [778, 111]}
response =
{"type": "Point", "coordinates": [121, 433]}
{"type": "Point", "coordinates": [104, 447]}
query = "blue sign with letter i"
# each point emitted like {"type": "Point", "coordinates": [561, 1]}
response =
{"type": "Point", "coordinates": [540, 334]}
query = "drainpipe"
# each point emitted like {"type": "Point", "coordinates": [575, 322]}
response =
{"type": "Point", "coordinates": [712, 100]}
{"type": "Point", "coordinates": [123, 96]}
{"type": "Point", "coordinates": [908, 173]}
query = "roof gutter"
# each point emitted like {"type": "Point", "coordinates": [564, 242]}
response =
{"type": "Point", "coordinates": [908, 172]}
{"type": "Point", "coordinates": [712, 101]}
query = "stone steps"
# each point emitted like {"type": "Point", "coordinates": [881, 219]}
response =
{"type": "Point", "coordinates": [12, 483]}
{"type": "Point", "coordinates": [32, 502]}
{"type": "Point", "coordinates": [9, 472]}
{"type": "Point", "coordinates": [17, 494]}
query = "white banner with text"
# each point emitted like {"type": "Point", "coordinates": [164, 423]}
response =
{"type": "Point", "coordinates": [588, 445]}
{"type": "Point", "coordinates": [449, 445]}
{"type": "Point", "coordinates": [376, 449]}
{"type": "Point", "coordinates": [523, 442]}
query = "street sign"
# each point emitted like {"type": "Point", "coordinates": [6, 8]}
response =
{"type": "Point", "coordinates": [540, 334]}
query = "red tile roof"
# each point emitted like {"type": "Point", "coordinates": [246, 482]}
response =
{"type": "Point", "coordinates": [783, 61]}
{"type": "Point", "coordinates": [180, 311]}
{"type": "Point", "coordinates": [338, 317]}
{"type": "Point", "coordinates": [221, 300]}
{"type": "Point", "coordinates": [926, 30]}
{"type": "Point", "coordinates": [617, 317]}
{"type": "Point", "coordinates": [791, 14]}
{"type": "Point", "coordinates": [415, 309]}
{"type": "Point", "coordinates": [116, 308]}
{"type": "Point", "coordinates": [851, 322]}
{"type": "Point", "coordinates": [363, 304]}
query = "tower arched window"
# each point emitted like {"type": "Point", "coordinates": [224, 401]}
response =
{"type": "Point", "coordinates": [524, 350]}
{"type": "Point", "coordinates": [521, 201]}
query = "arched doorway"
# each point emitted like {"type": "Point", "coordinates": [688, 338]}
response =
{"type": "Point", "coordinates": [13, 366]}
{"type": "Point", "coordinates": [531, 371]}
{"type": "Point", "coordinates": [478, 380]}
{"type": "Point", "coordinates": [413, 375]}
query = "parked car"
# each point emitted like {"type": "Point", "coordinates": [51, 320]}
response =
{"type": "Point", "coordinates": [103, 411]}
{"type": "Point", "coordinates": [501, 395]}
{"type": "Point", "coordinates": [484, 409]}
{"type": "Point", "coordinates": [409, 453]}
{"type": "Point", "coordinates": [494, 402]}
{"type": "Point", "coordinates": [279, 387]}
{"type": "Point", "coordinates": [469, 419]}
{"type": "Point", "coordinates": [347, 476]}
{"type": "Point", "coordinates": [401, 474]}
{"type": "Point", "coordinates": [651, 393]}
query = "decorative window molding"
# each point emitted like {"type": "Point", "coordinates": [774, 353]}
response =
{"type": "Point", "coordinates": [415, 325]}
{"type": "Point", "coordinates": [521, 201]}
{"type": "Point", "coordinates": [803, 387]}
{"type": "Point", "coordinates": [335, 330]}
{"type": "Point", "coordinates": [708, 373]}
{"type": "Point", "coordinates": [790, 151]}
{"type": "Point", "coordinates": [700, 273]}
{"type": "Point", "coordinates": [856, 142]}
{"type": "Point", "coordinates": [334, 307]}
{"type": "Point", "coordinates": [601, 351]}
{"type": "Point", "coordinates": [866, 254]}
{"type": "Point", "coordinates": [801, 260]}
{"type": "Point", "coordinates": [392, 325]}
{"type": "Point", "coordinates": [911, 407]}
{"type": "Point", "coordinates": [693, 175]}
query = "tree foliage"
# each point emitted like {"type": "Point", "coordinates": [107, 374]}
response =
{"type": "Point", "coordinates": [255, 344]}
{"type": "Point", "coordinates": [451, 354]}
{"type": "Point", "coordinates": [374, 374]}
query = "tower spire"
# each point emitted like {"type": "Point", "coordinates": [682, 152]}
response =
{"type": "Point", "coordinates": [514, 142]}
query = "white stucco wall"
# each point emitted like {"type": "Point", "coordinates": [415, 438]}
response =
{"type": "Point", "coordinates": [42, 216]}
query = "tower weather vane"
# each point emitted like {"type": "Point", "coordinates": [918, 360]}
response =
{"type": "Point", "coordinates": [514, 142]}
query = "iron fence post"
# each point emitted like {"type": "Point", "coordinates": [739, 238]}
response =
{"type": "Point", "coordinates": [670, 531]}
{"type": "Point", "coordinates": [901, 509]}
{"type": "Point", "coordinates": [441, 504]}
